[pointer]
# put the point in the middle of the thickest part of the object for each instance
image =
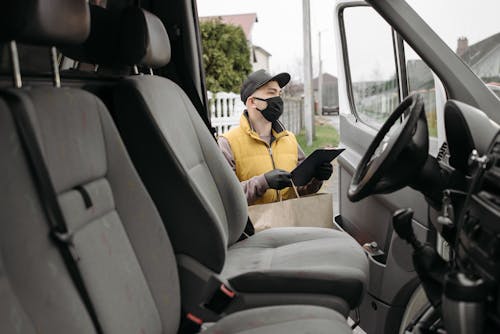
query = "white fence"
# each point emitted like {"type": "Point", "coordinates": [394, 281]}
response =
{"type": "Point", "coordinates": [226, 109]}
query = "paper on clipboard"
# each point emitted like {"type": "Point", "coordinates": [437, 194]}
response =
{"type": "Point", "coordinates": [304, 172]}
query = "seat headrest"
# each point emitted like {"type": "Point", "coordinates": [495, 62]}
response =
{"type": "Point", "coordinates": [45, 22]}
{"type": "Point", "coordinates": [144, 39]}
{"type": "Point", "coordinates": [126, 37]}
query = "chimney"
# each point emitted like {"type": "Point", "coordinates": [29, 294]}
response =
{"type": "Point", "coordinates": [462, 45]}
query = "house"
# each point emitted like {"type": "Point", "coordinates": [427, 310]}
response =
{"type": "Point", "coordinates": [483, 57]}
{"type": "Point", "coordinates": [259, 57]}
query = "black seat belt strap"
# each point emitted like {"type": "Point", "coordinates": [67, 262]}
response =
{"type": "Point", "coordinates": [48, 198]}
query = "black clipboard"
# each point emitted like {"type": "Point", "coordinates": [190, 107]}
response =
{"type": "Point", "coordinates": [304, 172]}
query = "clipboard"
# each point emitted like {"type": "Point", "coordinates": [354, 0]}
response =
{"type": "Point", "coordinates": [304, 172]}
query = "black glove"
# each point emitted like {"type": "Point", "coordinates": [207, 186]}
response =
{"type": "Point", "coordinates": [278, 179]}
{"type": "Point", "coordinates": [324, 171]}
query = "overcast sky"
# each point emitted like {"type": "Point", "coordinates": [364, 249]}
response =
{"type": "Point", "coordinates": [279, 26]}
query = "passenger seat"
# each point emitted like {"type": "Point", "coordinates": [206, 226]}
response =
{"type": "Point", "coordinates": [118, 240]}
{"type": "Point", "coordinates": [201, 201]}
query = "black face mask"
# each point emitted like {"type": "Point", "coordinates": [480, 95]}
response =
{"type": "Point", "coordinates": [274, 108]}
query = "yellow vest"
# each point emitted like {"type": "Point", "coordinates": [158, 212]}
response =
{"type": "Point", "coordinates": [253, 156]}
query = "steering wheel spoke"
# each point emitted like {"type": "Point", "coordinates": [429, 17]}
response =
{"type": "Point", "coordinates": [394, 157]}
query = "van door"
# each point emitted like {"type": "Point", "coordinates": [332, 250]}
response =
{"type": "Point", "coordinates": [376, 73]}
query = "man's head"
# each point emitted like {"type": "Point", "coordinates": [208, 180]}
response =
{"type": "Point", "coordinates": [260, 92]}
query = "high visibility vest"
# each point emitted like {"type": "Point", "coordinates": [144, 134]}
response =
{"type": "Point", "coordinates": [253, 156]}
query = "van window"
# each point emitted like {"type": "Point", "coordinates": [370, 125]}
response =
{"type": "Point", "coordinates": [421, 80]}
{"type": "Point", "coordinates": [372, 65]}
{"type": "Point", "coordinates": [474, 33]}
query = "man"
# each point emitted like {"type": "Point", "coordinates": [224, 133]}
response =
{"type": "Point", "coordinates": [261, 151]}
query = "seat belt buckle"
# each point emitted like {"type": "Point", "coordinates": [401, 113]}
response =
{"type": "Point", "coordinates": [221, 296]}
{"type": "Point", "coordinates": [190, 324]}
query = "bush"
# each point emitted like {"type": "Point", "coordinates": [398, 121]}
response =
{"type": "Point", "coordinates": [226, 56]}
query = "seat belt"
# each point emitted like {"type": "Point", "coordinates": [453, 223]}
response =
{"type": "Point", "coordinates": [57, 225]}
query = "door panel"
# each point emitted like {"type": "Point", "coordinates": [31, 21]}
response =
{"type": "Point", "coordinates": [372, 217]}
{"type": "Point", "coordinates": [392, 277]}
{"type": "Point", "coordinates": [368, 93]}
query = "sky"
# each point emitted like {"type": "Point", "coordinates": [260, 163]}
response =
{"type": "Point", "coordinates": [279, 29]}
{"type": "Point", "coordinates": [279, 26]}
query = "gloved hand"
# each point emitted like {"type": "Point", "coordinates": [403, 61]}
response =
{"type": "Point", "coordinates": [324, 171]}
{"type": "Point", "coordinates": [278, 179]}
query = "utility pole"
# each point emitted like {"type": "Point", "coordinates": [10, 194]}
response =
{"type": "Point", "coordinates": [320, 77]}
{"type": "Point", "coordinates": [308, 93]}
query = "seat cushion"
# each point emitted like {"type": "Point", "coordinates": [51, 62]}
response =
{"type": "Point", "coordinates": [282, 319]}
{"type": "Point", "coordinates": [299, 260]}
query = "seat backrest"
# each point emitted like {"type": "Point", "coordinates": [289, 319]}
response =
{"type": "Point", "coordinates": [196, 192]}
{"type": "Point", "coordinates": [124, 254]}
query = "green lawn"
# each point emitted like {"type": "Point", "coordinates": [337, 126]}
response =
{"type": "Point", "coordinates": [432, 123]}
{"type": "Point", "coordinates": [326, 135]}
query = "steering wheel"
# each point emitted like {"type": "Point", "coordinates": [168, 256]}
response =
{"type": "Point", "coordinates": [393, 160]}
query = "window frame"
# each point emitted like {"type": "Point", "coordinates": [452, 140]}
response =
{"type": "Point", "coordinates": [347, 68]}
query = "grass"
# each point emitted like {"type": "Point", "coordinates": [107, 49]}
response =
{"type": "Point", "coordinates": [432, 123]}
{"type": "Point", "coordinates": [326, 135]}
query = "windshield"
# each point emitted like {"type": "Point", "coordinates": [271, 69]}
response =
{"type": "Point", "coordinates": [471, 29]}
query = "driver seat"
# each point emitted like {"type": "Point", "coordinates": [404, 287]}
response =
{"type": "Point", "coordinates": [200, 198]}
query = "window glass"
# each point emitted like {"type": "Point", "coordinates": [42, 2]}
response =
{"type": "Point", "coordinates": [371, 64]}
{"type": "Point", "coordinates": [471, 29]}
{"type": "Point", "coordinates": [421, 80]}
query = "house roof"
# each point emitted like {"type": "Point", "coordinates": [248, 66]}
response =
{"type": "Point", "coordinates": [245, 21]}
{"type": "Point", "coordinates": [262, 50]}
{"type": "Point", "coordinates": [477, 51]}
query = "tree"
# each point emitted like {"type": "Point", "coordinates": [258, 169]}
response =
{"type": "Point", "coordinates": [226, 55]}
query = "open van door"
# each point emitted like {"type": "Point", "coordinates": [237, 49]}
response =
{"type": "Point", "coordinates": [376, 71]}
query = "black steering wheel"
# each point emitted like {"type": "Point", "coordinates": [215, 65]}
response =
{"type": "Point", "coordinates": [394, 160]}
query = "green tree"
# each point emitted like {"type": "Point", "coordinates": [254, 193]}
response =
{"type": "Point", "coordinates": [226, 55]}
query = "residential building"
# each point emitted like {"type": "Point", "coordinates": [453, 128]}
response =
{"type": "Point", "coordinates": [259, 57]}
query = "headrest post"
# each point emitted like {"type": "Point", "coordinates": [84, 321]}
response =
{"type": "Point", "coordinates": [55, 67]}
{"type": "Point", "coordinates": [151, 71]}
{"type": "Point", "coordinates": [16, 70]}
{"type": "Point", "coordinates": [136, 70]}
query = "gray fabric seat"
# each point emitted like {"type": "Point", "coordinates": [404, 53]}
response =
{"type": "Point", "coordinates": [123, 251]}
{"type": "Point", "coordinates": [176, 155]}
{"type": "Point", "coordinates": [125, 255]}
{"type": "Point", "coordinates": [287, 260]}
{"type": "Point", "coordinates": [282, 319]}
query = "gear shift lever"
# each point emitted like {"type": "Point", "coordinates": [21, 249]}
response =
{"type": "Point", "coordinates": [401, 221]}
{"type": "Point", "coordinates": [427, 262]}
